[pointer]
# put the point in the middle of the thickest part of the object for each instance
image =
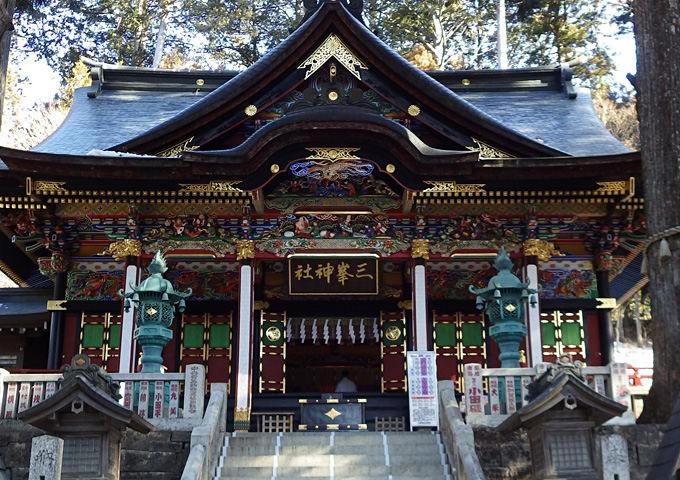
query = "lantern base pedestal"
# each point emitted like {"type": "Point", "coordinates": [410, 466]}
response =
{"type": "Point", "coordinates": [152, 338]}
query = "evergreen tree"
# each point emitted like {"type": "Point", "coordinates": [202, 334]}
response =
{"type": "Point", "coordinates": [549, 32]}
{"type": "Point", "coordinates": [239, 32]}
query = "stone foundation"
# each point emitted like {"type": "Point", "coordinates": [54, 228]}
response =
{"type": "Point", "coordinates": [643, 442]}
{"type": "Point", "coordinates": [503, 457]}
{"type": "Point", "coordinates": [507, 457]}
{"type": "Point", "coordinates": [161, 455]}
{"type": "Point", "coordinates": [15, 447]}
{"type": "Point", "coordinates": [157, 456]}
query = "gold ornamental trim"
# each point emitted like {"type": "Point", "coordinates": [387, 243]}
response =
{"type": "Point", "coordinates": [609, 303]}
{"type": "Point", "coordinates": [221, 186]}
{"type": "Point", "coordinates": [618, 187]}
{"type": "Point", "coordinates": [332, 414]}
{"type": "Point", "coordinates": [123, 249]}
{"type": "Point", "coordinates": [242, 414]}
{"type": "Point", "coordinates": [273, 334]}
{"type": "Point", "coordinates": [56, 305]}
{"type": "Point", "coordinates": [177, 149]}
{"type": "Point", "coordinates": [405, 305]}
{"type": "Point", "coordinates": [393, 333]}
{"type": "Point", "coordinates": [420, 248]}
{"type": "Point", "coordinates": [541, 249]}
{"type": "Point", "coordinates": [260, 305]}
{"type": "Point", "coordinates": [333, 47]}
{"type": "Point", "coordinates": [486, 151]}
{"type": "Point", "coordinates": [40, 186]}
{"type": "Point", "coordinates": [453, 187]}
{"type": "Point", "coordinates": [332, 154]}
{"type": "Point", "coordinates": [413, 110]}
{"type": "Point", "coordinates": [245, 249]}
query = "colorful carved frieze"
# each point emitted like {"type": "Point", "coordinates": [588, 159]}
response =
{"type": "Point", "coordinates": [82, 285]}
{"type": "Point", "coordinates": [567, 279]}
{"type": "Point", "coordinates": [35, 233]}
{"type": "Point", "coordinates": [206, 285]}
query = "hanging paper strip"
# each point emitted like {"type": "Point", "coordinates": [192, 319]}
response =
{"type": "Point", "coordinates": [340, 330]}
{"type": "Point", "coordinates": [272, 352]}
{"type": "Point", "coordinates": [393, 351]}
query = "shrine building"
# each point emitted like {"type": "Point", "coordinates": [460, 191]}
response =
{"type": "Point", "coordinates": [329, 207]}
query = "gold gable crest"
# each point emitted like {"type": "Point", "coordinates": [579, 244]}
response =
{"type": "Point", "coordinates": [333, 47]}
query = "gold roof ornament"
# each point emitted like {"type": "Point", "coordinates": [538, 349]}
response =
{"type": "Point", "coordinates": [333, 47]}
{"type": "Point", "coordinates": [486, 151]}
{"type": "Point", "coordinates": [420, 248]}
{"type": "Point", "coordinates": [332, 154]}
{"type": "Point", "coordinates": [221, 186]}
{"type": "Point", "coordinates": [245, 249]}
{"type": "Point", "coordinates": [123, 249]}
{"type": "Point", "coordinates": [453, 187]}
{"type": "Point", "coordinates": [177, 149]}
{"type": "Point", "coordinates": [541, 249]}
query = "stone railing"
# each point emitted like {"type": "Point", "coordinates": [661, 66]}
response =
{"type": "Point", "coordinates": [207, 438]}
{"type": "Point", "coordinates": [458, 437]}
{"type": "Point", "coordinates": [153, 396]}
{"type": "Point", "coordinates": [492, 394]}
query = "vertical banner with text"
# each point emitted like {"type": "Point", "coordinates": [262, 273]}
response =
{"type": "Point", "coordinates": [423, 401]}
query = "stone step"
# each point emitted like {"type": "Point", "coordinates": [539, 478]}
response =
{"type": "Point", "coordinates": [413, 452]}
{"type": "Point", "coordinates": [353, 456]}
{"type": "Point", "coordinates": [345, 477]}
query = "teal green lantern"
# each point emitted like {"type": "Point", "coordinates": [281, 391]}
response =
{"type": "Point", "coordinates": [155, 300]}
{"type": "Point", "coordinates": [504, 299]}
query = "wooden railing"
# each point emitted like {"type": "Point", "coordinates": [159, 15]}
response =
{"type": "Point", "coordinates": [499, 392]}
{"type": "Point", "coordinates": [152, 396]}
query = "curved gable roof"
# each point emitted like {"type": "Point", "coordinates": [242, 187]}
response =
{"type": "Point", "coordinates": [436, 101]}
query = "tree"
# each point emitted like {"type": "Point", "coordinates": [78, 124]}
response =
{"type": "Point", "coordinates": [619, 114]}
{"type": "Point", "coordinates": [113, 31]}
{"type": "Point", "coordinates": [239, 32]}
{"type": "Point", "coordinates": [8, 10]}
{"type": "Point", "coordinates": [458, 34]}
{"type": "Point", "coordinates": [658, 87]}
{"type": "Point", "coordinates": [544, 32]}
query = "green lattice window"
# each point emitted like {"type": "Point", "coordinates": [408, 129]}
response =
{"type": "Point", "coordinates": [446, 335]}
{"type": "Point", "coordinates": [219, 335]}
{"type": "Point", "coordinates": [571, 333]}
{"type": "Point", "coordinates": [93, 336]}
{"type": "Point", "coordinates": [548, 331]}
{"type": "Point", "coordinates": [114, 336]}
{"type": "Point", "coordinates": [473, 334]}
{"type": "Point", "coordinates": [193, 336]}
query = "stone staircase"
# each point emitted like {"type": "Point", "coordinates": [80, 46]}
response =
{"type": "Point", "coordinates": [341, 455]}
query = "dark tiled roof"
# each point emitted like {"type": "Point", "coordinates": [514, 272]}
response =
{"type": "Point", "coordinates": [113, 117]}
{"type": "Point", "coordinates": [116, 116]}
{"type": "Point", "coordinates": [629, 277]}
{"type": "Point", "coordinates": [552, 118]}
{"type": "Point", "coordinates": [527, 106]}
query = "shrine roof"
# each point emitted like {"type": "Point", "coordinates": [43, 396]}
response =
{"type": "Point", "coordinates": [124, 111]}
{"type": "Point", "coordinates": [550, 117]}
{"type": "Point", "coordinates": [535, 109]}
{"type": "Point", "coordinates": [113, 117]}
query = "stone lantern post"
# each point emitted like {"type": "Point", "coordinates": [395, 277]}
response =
{"type": "Point", "coordinates": [504, 300]}
{"type": "Point", "coordinates": [155, 300]}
